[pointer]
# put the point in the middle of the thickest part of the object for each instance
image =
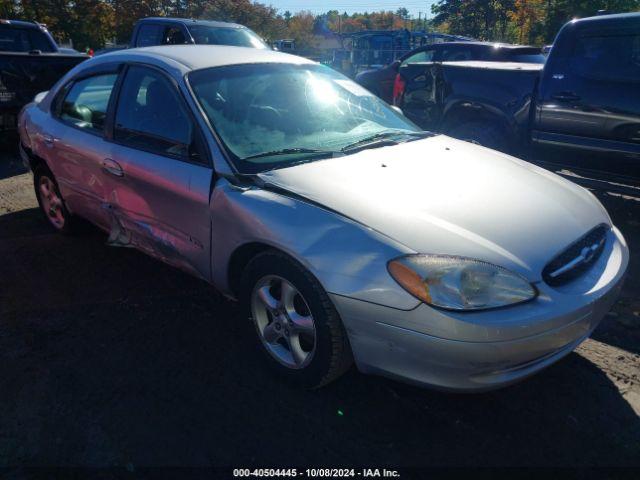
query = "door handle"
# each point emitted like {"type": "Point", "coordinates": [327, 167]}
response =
{"type": "Point", "coordinates": [566, 96]}
{"type": "Point", "coordinates": [112, 167]}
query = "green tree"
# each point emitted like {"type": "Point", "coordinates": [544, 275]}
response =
{"type": "Point", "coordinates": [259, 17]}
{"type": "Point", "coordinates": [301, 30]}
{"type": "Point", "coordinates": [524, 21]}
{"type": "Point", "coordinates": [8, 9]}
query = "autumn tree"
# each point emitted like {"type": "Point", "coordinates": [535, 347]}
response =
{"type": "Point", "coordinates": [528, 17]}
{"type": "Point", "coordinates": [259, 17]}
{"type": "Point", "coordinates": [301, 30]}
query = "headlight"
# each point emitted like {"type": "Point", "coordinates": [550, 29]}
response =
{"type": "Point", "coordinates": [458, 283]}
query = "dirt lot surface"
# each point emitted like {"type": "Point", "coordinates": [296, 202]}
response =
{"type": "Point", "coordinates": [109, 358]}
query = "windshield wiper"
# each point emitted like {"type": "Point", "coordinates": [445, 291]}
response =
{"type": "Point", "coordinates": [290, 151]}
{"type": "Point", "coordinates": [381, 139]}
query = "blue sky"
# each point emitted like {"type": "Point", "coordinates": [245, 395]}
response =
{"type": "Point", "coordinates": [350, 6]}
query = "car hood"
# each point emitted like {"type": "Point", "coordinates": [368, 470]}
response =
{"type": "Point", "coordinates": [445, 196]}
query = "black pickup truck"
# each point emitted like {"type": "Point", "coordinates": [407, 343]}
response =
{"type": "Point", "coordinates": [152, 31]}
{"type": "Point", "coordinates": [30, 62]}
{"type": "Point", "coordinates": [580, 109]}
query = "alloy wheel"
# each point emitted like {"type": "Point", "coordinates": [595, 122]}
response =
{"type": "Point", "coordinates": [51, 202]}
{"type": "Point", "coordinates": [284, 321]}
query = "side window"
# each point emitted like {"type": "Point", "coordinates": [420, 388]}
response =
{"type": "Point", "coordinates": [149, 35]}
{"type": "Point", "coordinates": [150, 114]}
{"type": "Point", "coordinates": [615, 57]}
{"type": "Point", "coordinates": [174, 36]}
{"type": "Point", "coordinates": [23, 40]}
{"type": "Point", "coordinates": [85, 104]}
{"type": "Point", "coordinates": [456, 54]}
{"type": "Point", "coordinates": [39, 41]}
{"type": "Point", "coordinates": [424, 56]}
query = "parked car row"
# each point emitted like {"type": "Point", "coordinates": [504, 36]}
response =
{"type": "Point", "coordinates": [346, 231]}
{"type": "Point", "coordinates": [579, 108]}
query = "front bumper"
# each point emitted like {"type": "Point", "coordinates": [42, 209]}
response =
{"type": "Point", "coordinates": [483, 350]}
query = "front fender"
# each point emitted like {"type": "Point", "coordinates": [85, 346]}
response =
{"type": "Point", "coordinates": [346, 257]}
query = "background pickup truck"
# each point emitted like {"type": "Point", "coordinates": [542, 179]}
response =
{"type": "Point", "coordinates": [580, 109]}
{"type": "Point", "coordinates": [30, 62]}
{"type": "Point", "coordinates": [152, 31]}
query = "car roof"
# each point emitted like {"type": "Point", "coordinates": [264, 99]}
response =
{"type": "Point", "coordinates": [618, 17]}
{"type": "Point", "coordinates": [488, 44]}
{"type": "Point", "coordinates": [21, 24]}
{"type": "Point", "coordinates": [191, 21]}
{"type": "Point", "coordinates": [195, 57]}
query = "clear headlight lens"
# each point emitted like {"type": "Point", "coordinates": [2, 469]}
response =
{"type": "Point", "coordinates": [459, 283]}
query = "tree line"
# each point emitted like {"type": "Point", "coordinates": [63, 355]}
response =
{"type": "Point", "coordinates": [534, 22]}
{"type": "Point", "coordinates": [93, 23]}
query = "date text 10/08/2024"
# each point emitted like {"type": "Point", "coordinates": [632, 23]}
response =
{"type": "Point", "coordinates": [316, 472]}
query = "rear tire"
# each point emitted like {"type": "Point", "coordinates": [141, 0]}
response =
{"type": "Point", "coordinates": [297, 327]}
{"type": "Point", "coordinates": [51, 202]}
{"type": "Point", "coordinates": [481, 133]}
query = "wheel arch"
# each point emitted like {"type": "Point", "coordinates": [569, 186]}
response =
{"type": "Point", "coordinates": [345, 256]}
{"type": "Point", "coordinates": [35, 160]}
{"type": "Point", "coordinates": [241, 257]}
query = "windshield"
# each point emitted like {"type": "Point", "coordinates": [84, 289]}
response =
{"type": "Point", "coordinates": [275, 115]}
{"type": "Point", "coordinates": [14, 39]}
{"type": "Point", "coordinates": [237, 37]}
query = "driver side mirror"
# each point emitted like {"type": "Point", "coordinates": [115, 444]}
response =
{"type": "Point", "coordinates": [397, 109]}
{"type": "Point", "coordinates": [40, 96]}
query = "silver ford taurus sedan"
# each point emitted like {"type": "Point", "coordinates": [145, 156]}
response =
{"type": "Point", "coordinates": [348, 233]}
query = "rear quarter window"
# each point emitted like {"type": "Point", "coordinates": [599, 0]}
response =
{"type": "Point", "coordinates": [14, 39]}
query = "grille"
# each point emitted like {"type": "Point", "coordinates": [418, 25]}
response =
{"type": "Point", "coordinates": [576, 259]}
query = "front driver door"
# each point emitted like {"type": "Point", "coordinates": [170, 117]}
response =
{"type": "Point", "coordinates": [159, 175]}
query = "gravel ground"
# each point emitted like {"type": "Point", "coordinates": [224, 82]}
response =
{"type": "Point", "coordinates": [109, 358]}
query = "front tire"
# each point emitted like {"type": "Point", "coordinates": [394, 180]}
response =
{"type": "Point", "coordinates": [297, 327]}
{"type": "Point", "coordinates": [50, 200]}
